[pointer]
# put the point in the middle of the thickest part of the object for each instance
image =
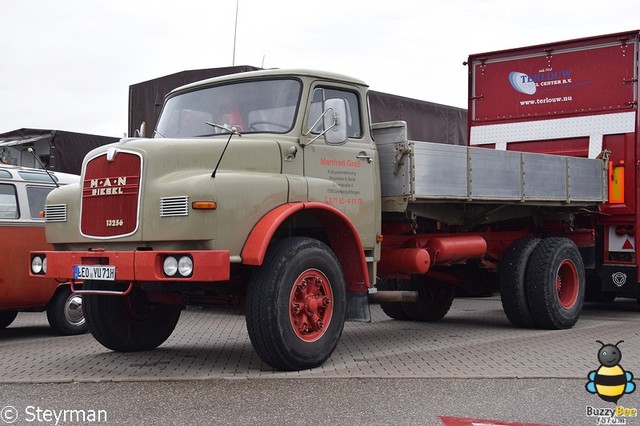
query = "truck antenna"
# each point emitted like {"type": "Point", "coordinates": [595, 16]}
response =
{"type": "Point", "coordinates": [235, 33]}
{"type": "Point", "coordinates": [42, 165]}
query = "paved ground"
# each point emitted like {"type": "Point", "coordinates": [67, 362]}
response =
{"type": "Point", "coordinates": [475, 340]}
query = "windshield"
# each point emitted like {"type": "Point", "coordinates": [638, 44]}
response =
{"type": "Point", "coordinates": [262, 106]}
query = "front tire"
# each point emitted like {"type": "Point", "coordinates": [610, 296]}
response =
{"type": "Point", "coordinates": [555, 284]}
{"type": "Point", "coordinates": [128, 323]}
{"type": "Point", "coordinates": [65, 313]}
{"type": "Point", "coordinates": [296, 304]}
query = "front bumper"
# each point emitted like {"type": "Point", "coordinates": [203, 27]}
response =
{"type": "Point", "coordinates": [208, 265]}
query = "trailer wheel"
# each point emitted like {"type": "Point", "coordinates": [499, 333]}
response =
{"type": "Point", "coordinates": [512, 281]}
{"type": "Point", "coordinates": [65, 313]}
{"type": "Point", "coordinates": [393, 309]}
{"type": "Point", "coordinates": [434, 299]}
{"type": "Point", "coordinates": [555, 284]}
{"type": "Point", "coordinates": [296, 304]}
{"type": "Point", "coordinates": [6, 318]}
{"type": "Point", "coordinates": [128, 323]}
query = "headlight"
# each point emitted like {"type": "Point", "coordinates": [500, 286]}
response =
{"type": "Point", "coordinates": [185, 266]}
{"type": "Point", "coordinates": [39, 264]}
{"type": "Point", "coordinates": [170, 266]}
{"type": "Point", "coordinates": [181, 267]}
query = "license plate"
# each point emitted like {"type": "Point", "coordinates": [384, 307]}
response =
{"type": "Point", "coordinates": [94, 272]}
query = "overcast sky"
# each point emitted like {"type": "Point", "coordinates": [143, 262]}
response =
{"type": "Point", "coordinates": [68, 64]}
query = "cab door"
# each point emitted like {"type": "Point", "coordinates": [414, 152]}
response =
{"type": "Point", "coordinates": [343, 175]}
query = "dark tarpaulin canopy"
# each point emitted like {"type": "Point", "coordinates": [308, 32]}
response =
{"type": "Point", "coordinates": [426, 121]}
{"type": "Point", "coordinates": [58, 150]}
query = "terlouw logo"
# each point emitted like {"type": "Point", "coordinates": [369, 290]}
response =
{"type": "Point", "coordinates": [522, 82]}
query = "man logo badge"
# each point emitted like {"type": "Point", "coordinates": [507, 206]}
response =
{"type": "Point", "coordinates": [619, 278]}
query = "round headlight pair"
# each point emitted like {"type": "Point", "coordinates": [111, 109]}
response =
{"type": "Point", "coordinates": [39, 265]}
{"type": "Point", "coordinates": [182, 266]}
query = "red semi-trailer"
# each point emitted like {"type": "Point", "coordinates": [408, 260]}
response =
{"type": "Point", "coordinates": [574, 98]}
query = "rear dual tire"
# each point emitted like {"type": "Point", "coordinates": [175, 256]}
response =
{"type": "Point", "coordinates": [555, 284]}
{"type": "Point", "coordinates": [542, 283]}
{"type": "Point", "coordinates": [513, 272]}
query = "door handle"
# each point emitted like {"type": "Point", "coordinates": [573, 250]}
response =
{"type": "Point", "coordinates": [292, 153]}
{"type": "Point", "coordinates": [363, 156]}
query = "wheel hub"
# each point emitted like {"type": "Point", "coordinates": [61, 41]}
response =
{"type": "Point", "coordinates": [73, 312]}
{"type": "Point", "coordinates": [310, 305]}
{"type": "Point", "coordinates": [567, 284]}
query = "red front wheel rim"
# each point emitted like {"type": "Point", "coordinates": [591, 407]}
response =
{"type": "Point", "coordinates": [567, 284]}
{"type": "Point", "coordinates": [311, 305]}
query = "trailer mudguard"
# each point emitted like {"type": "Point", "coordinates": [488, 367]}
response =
{"type": "Point", "coordinates": [342, 235]}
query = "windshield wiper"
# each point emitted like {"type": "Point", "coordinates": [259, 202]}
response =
{"type": "Point", "coordinates": [233, 130]}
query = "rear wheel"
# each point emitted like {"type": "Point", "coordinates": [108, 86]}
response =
{"type": "Point", "coordinates": [555, 284]}
{"type": "Point", "coordinates": [512, 281]}
{"type": "Point", "coordinates": [393, 309]}
{"type": "Point", "coordinates": [434, 299]}
{"type": "Point", "coordinates": [6, 318]}
{"type": "Point", "coordinates": [65, 312]}
{"type": "Point", "coordinates": [128, 323]}
{"type": "Point", "coordinates": [296, 304]}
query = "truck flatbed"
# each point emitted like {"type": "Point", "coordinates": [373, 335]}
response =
{"type": "Point", "coordinates": [414, 172]}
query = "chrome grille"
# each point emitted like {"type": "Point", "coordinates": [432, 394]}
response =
{"type": "Point", "coordinates": [174, 206]}
{"type": "Point", "coordinates": [55, 213]}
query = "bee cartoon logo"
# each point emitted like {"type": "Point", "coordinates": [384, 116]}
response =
{"type": "Point", "coordinates": [610, 381]}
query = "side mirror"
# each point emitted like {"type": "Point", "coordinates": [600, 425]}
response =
{"type": "Point", "coordinates": [335, 121]}
{"type": "Point", "coordinates": [141, 132]}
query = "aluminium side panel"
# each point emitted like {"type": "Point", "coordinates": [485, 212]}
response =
{"type": "Point", "coordinates": [545, 177]}
{"type": "Point", "coordinates": [479, 175]}
{"type": "Point", "coordinates": [441, 171]}
{"type": "Point", "coordinates": [495, 175]}
{"type": "Point", "coordinates": [588, 180]}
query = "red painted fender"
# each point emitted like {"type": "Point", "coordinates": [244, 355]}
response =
{"type": "Point", "coordinates": [343, 240]}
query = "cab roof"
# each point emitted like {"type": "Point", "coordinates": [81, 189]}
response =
{"type": "Point", "coordinates": [297, 72]}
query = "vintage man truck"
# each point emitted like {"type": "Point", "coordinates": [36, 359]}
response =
{"type": "Point", "coordinates": [273, 191]}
